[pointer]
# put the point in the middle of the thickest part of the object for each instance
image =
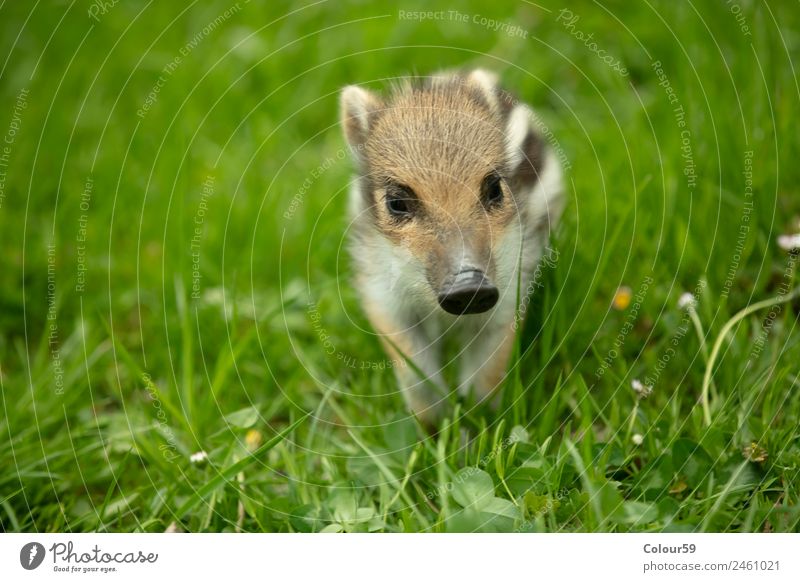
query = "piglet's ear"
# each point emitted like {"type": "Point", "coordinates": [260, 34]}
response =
{"type": "Point", "coordinates": [358, 109]}
{"type": "Point", "coordinates": [524, 147]}
{"type": "Point", "coordinates": [486, 82]}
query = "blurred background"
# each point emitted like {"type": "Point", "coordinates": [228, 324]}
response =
{"type": "Point", "coordinates": [175, 278]}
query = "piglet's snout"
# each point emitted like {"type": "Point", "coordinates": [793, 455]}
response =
{"type": "Point", "coordinates": [470, 291]}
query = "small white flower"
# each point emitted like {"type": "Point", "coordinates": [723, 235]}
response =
{"type": "Point", "coordinates": [637, 439]}
{"type": "Point", "coordinates": [642, 390]}
{"type": "Point", "coordinates": [687, 301]}
{"type": "Point", "coordinates": [199, 457]}
{"type": "Point", "coordinates": [789, 242]}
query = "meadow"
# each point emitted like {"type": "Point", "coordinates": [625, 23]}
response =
{"type": "Point", "coordinates": [181, 348]}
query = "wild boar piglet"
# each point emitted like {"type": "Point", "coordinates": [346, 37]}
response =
{"type": "Point", "coordinates": [454, 199]}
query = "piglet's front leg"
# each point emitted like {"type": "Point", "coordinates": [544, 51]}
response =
{"type": "Point", "coordinates": [484, 362]}
{"type": "Point", "coordinates": [421, 384]}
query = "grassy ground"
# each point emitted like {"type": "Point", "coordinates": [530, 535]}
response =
{"type": "Point", "coordinates": [174, 278]}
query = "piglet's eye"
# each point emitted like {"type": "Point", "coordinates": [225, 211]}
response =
{"type": "Point", "coordinates": [401, 201]}
{"type": "Point", "coordinates": [492, 191]}
{"type": "Point", "coordinates": [398, 206]}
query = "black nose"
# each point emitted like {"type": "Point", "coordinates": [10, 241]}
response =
{"type": "Point", "coordinates": [470, 292]}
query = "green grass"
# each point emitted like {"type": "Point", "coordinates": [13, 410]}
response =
{"type": "Point", "coordinates": [97, 426]}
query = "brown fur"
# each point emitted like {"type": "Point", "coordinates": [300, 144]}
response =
{"type": "Point", "coordinates": [441, 140]}
{"type": "Point", "coordinates": [437, 141]}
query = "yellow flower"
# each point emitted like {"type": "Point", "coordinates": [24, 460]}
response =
{"type": "Point", "coordinates": [622, 298]}
{"type": "Point", "coordinates": [253, 439]}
